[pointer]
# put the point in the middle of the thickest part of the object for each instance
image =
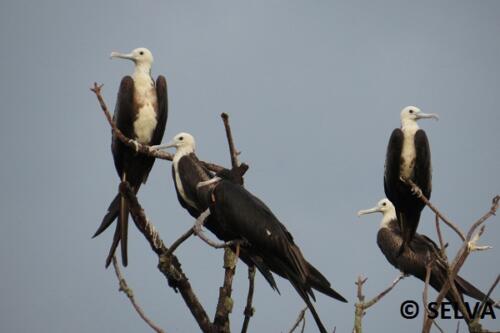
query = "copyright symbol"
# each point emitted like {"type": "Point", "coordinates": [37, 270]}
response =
{"type": "Point", "coordinates": [409, 309]}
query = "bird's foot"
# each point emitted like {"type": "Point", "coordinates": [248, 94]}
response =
{"type": "Point", "coordinates": [214, 180]}
{"type": "Point", "coordinates": [136, 144]}
{"type": "Point", "coordinates": [472, 245]}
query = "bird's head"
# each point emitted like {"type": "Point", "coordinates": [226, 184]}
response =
{"type": "Point", "coordinates": [385, 207]}
{"type": "Point", "coordinates": [140, 56]}
{"type": "Point", "coordinates": [410, 115]}
{"type": "Point", "coordinates": [183, 142]}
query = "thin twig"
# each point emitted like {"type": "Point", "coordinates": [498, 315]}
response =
{"type": "Point", "coordinates": [179, 241]}
{"type": "Point", "coordinates": [440, 237]}
{"type": "Point", "coordinates": [466, 248]}
{"type": "Point", "coordinates": [143, 149]}
{"type": "Point", "coordinates": [300, 318]}
{"type": "Point", "coordinates": [249, 310]}
{"type": "Point", "coordinates": [130, 294]}
{"type": "Point", "coordinates": [361, 305]}
{"type": "Point", "coordinates": [418, 192]}
{"type": "Point", "coordinates": [232, 149]}
{"type": "Point", "coordinates": [383, 293]}
{"type": "Point", "coordinates": [487, 297]}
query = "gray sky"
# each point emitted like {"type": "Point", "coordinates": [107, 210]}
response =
{"type": "Point", "coordinates": [313, 88]}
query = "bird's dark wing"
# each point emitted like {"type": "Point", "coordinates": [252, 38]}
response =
{"type": "Point", "coordinates": [249, 218]}
{"type": "Point", "coordinates": [162, 112]}
{"type": "Point", "coordinates": [123, 117]}
{"type": "Point", "coordinates": [423, 169]}
{"type": "Point", "coordinates": [393, 165]}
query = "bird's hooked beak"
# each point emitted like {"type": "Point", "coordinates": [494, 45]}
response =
{"type": "Point", "coordinates": [165, 145]}
{"type": "Point", "coordinates": [369, 211]}
{"type": "Point", "coordinates": [422, 115]}
{"type": "Point", "coordinates": [128, 56]}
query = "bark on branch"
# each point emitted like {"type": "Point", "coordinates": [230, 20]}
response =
{"type": "Point", "coordinates": [467, 247]}
{"type": "Point", "coordinates": [168, 264]}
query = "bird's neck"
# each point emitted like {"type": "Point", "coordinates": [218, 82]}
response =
{"type": "Point", "coordinates": [388, 218]}
{"type": "Point", "coordinates": [181, 152]}
{"type": "Point", "coordinates": [409, 125]}
{"type": "Point", "coordinates": [142, 70]}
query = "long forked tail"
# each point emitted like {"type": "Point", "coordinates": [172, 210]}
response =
{"type": "Point", "coordinates": [321, 284]}
{"type": "Point", "coordinates": [117, 209]}
{"type": "Point", "coordinates": [469, 290]}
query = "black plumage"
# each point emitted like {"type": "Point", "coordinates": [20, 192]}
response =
{"type": "Point", "coordinates": [235, 213]}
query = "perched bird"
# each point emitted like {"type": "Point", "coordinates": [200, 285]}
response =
{"type": "Point", "coordinates": [414, 259]}
{"type": "Point", "coordinates": [408, 157]}
{"type": "Point", "coordinates": [236, 214]}
{"type": "Point", "coordinates": [141, 114]}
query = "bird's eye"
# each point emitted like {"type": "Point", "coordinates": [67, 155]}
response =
{"type": "Point", "coordinates": [383, 204]}
{"type": "Point", "coordinates": [411, 111]}
{"type": "Point", "coordinates": [141, 53]}
{"type": "Point", "coordinates": [181, 138]}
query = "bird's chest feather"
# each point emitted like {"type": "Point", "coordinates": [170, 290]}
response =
{"type": "Point", "coordinates": [146, 104]}
{"type": "Point", "coordinates": [408, 153]}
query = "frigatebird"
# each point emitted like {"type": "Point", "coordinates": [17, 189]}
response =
{"type": "Point", "coordinates": [141, 114]}
{"type": "Point", "coordinates": [236, 214]}
{"type": "Point", "coordinates": [408, 157]}
{"type": "Point", "coordinates": [414, 258]}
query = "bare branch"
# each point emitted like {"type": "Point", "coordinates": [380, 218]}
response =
{"type": "Point", "coordinates": [490, 291]}
{"type": "Point", "coordinates": [169, 265]}
{"type": "Point", "coordinates": [232, 149]}
{"type": "Point", "coordinates": [383, 293]}
{"type": "Point", "coordinates": [225, 304]}
{"type": "Point", "coordinates": [361, 305]}
{"type": "Point", "coordinates": [440, 237]}
{"type": "Point", "coordinates": [130, 294]}
{"type": "Point", "coordinates": [300, 317]}
{"type": "Point", "coordinates": [249, 310]}
{"type": "Point", "coordinates": [463, 253]}
{"type": "Point", "coordinates": [421, 196]}
{"type": "Point", "coordinates": [179, 241]}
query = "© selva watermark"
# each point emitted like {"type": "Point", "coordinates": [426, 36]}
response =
{"type": "Point", "coordinates": [447, 310]}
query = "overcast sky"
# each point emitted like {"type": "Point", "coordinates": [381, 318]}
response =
{"type": "Point", "coordinates": [313, 89]}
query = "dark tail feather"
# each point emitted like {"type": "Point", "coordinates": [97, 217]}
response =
{"type": "Point", "coordinates": [408, 224]}
{"type": "Point", "coordinates": [321, 284]}
{"type": "Point", "coordinates": [123, 221]}
{"type": "Point", "coordinates": [469, 290]}
{"type": "Point", "coordinates": [114, 245]}
{"type": "Point", "coordinates": [306, 299]}
{"type": "Point", "coordinates": [110, 216]}
{"type": "Point", "coordinates": [266, 273]}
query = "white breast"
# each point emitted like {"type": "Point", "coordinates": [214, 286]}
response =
{"type": "Point", "coordinates": [178, 182]}
{"type": "Point", "coordinates": [408, 153]}
{"type": "Point", "coordinates": [145, 98]}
